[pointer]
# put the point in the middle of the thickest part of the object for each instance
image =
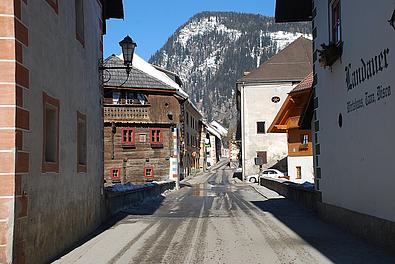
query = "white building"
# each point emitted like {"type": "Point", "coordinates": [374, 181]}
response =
{"type": "Point", "coordinates": [260, 95]}
{"type": "Point", "coordinates": [352, 111]}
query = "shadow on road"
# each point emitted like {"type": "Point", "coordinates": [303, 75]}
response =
{"type": "Point", "coordinates": [336, 244]}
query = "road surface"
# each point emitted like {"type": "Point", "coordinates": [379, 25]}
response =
{"type": "Point", "coordinates": [215, 219]}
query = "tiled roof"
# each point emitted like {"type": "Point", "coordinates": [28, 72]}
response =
{"type": "Point", "coordinates": [306, 84]}
{"type": "Point", "coordinates": [137, 78]}
{"type": "Point", "coordinates": [293, 63]}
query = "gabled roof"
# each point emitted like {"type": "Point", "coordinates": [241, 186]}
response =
{"type": "Point", "coordinates": [306, 84]}
{"type": "Point", "coordinates": [137, 78]}
{"type": "Point", "coordinates": [293, 107]}
{"type": "Point", "coordinates": [293, 63]}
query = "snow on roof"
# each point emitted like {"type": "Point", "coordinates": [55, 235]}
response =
{"type": "Point", "coordinates": [222, 130]}
{"type": "Point", "coordinates": [146, 67]}
{"type": "Point", "coordinates": [212, 130]}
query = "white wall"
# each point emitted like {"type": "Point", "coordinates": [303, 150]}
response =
{"type": "Point", "coordinates": [306, 164]}
{"type": "Point", "coordinates": [256, 105]}
{"type": "Point", "coordinates": [357, 160]}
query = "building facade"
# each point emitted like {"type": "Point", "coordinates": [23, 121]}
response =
{"type": "Point", "coordinates": [300, 147]}
{"type": "Point", "coordinates": [259, 98]}
{"type": "Point", "coordinates": [140, 117]}
{"type": "Point", "coordinates": [192, 126]}
{"type": "Point", "coordinates": [354, 106]}
{"type": "Point", "coordinates": [50, 126]}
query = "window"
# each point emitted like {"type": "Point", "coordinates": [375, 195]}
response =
{"type": "Point", "coordinates": [149, 172]}
{"type": "Point", "coordinates": [187, 139]}
{"type": "Point", "coordinates": [260, 127]}
{"type": "Point", "coordinates": [298, 172]}
{"type": "Point", "coordinates": [116, 97]}
{"type": "Point", "coordinates": [128, 136]}
{"type": "Point", "coordinates": [79, 21]}
{"type": "Point", "coordinates": [54, 5]}
{"type": "Point", "coordinates": [156, 136]}
{"type": "Point", "coordinates": [136, 98]}
{"type": "Point", "coordinates": [336, 21]}
{"type": "Point", "coordinates": [50, 158]}
{"type": "Point", "coordinates": [81, 142]}
{"type": "Point", "coordinates": [262, 155]}
{"type": "Point", "coordinates": [305, 139]}
{"type": "Point", "coordinates": [115, 174]}
{"type": "Point", "coordinates": [187, 119]}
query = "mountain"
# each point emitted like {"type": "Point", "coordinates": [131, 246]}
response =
{"type": "Point", "coordinates": [213, 49]}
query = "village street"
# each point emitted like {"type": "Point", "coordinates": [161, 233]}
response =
{"type": "Point", "coordinates": [217, 219]}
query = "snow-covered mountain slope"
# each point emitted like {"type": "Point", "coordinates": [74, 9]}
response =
{"type": "Point", "coordinates": [213, 49]}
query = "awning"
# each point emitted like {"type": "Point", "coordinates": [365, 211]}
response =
{"type": "Point", "coordinates": [293, 10]}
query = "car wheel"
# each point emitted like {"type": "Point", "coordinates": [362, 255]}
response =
{"type": "Point", "coordinates": [253, 180]}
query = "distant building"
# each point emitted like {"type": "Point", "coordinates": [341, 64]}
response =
{"type": "Point", "coordinates": [50, 125]}
{"type": "Point", "coordinates": [300, 147]}
{"type": "Point", "coordinates": [191, 129]}
{"type": "Point", "coordinates": [141, 114]}
{"type": "Point", "coordinates": [260, 95]}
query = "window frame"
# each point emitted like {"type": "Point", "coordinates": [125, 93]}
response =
{"type": "Point", "coordinates": [80, 36]}
{"type": "Point", "coordinates": [49, 166]}
{"type": "Point", "coordinates": [127, 142]}
{"type": "Point", "coordinates": [335, 28]}
{"type": "Point", "coordinates": [303, 137]}
{"type": "Point", "coordinates": [118, 178]}
{"type": "Point", "coordinates": [82, 167]}
{"type": "Point", "coordinates": [149, 167]}
{"type": "Point", "coordinates": [257, 127]}
{"type": "Point", "coordinates": [160, 142]}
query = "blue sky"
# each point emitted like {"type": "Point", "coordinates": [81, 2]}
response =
{"type": "Point", "coordinates": [151, 22]}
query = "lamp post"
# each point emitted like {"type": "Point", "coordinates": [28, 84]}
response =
{"type": "Point", "coordinates": [128, 45]}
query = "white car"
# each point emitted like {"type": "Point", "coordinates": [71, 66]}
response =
{"type": "Point", "coordinates": [272, 173]}
{"type": "Point", "coordinates": [252, 178]}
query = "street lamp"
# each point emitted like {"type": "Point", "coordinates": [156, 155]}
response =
{"type": "Point", "coordinates": [128, 46]}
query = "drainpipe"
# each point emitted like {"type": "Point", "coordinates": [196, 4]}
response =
{"type": "Point", "coordinates": [243, 148]}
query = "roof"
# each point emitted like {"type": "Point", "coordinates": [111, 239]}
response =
{"type": "Point", "coordinates": [150, 69]}
{"type": "Point", "coordinates": [293, 63]}
{"type": "Point", "coordinates": [293, 11]}
{"type": "Point", "coordinates": [306, 84]}
{"type": "Point", "coordinates": [136, 79]}
{"type": "Point", "coordinates": [112, 9]}
{"type": "Point", "coordinates": [293, 107]}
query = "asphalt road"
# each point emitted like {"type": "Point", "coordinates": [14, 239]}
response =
{"type": "Point", "coordinates": [214, 219]}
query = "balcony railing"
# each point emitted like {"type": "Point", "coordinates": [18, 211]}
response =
{"type": "Point", "coordinates": [123, 113]}
{"type": "Point", "coordinates": [111, 101]}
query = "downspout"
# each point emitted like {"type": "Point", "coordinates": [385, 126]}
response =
{"type": "Point", "coordinates": [243, 148]}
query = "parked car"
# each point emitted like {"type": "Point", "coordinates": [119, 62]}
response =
{"type": "Point", "coordinates": [252, 178]}
{"type": "Point", "coordinates": [272, 173]}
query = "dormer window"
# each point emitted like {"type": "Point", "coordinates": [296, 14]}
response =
{"type": "Point", "coordinates": [335, 21]}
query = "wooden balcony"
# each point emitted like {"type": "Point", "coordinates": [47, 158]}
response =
{"type": "Point", "coordinates": [124, 113]}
